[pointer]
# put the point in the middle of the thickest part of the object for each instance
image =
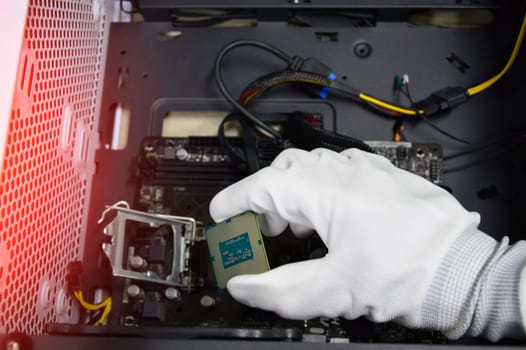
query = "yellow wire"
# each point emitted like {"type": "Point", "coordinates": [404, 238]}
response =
{"type": "Point", "coordinates": [483, 86]}
{"type": "Point", "coordinates": [85, 304]}
{"type": "Point", "coordinates": [106, 304]}
{"type": "Point", "coordinates": [389, 106]}
{"type": "Point", "coordinates": [362, 96]}
{"type": "Point", "coordinates": [105, 314]}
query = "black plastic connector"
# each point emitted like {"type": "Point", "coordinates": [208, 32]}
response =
{"type": "Point", "coordinates": [303, 135]}
{"type": "Point", "coordinates": [311, 65]}
{"type": "Point", "coordinates": [74, 276]}
{"type": "Point", "coordinates": [443, 100]}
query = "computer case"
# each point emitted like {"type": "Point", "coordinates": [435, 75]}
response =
{"type": "Point", "coordinates": [70, 65]}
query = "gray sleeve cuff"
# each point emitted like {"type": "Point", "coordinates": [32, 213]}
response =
{"type": "Point", "coordinates": [476, 289]}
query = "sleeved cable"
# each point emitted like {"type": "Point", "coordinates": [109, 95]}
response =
{"type": "Point", "coordinates": [226, 93]}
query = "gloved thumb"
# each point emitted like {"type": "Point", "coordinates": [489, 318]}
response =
{"type": "Point", "coordinates": [300, 290]}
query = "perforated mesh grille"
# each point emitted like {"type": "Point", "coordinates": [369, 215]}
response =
{"type": "Point", "coordinates": [43, 183]}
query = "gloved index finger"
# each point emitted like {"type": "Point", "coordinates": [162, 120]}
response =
{"type": "Point", "coordinates": [251, 193]}
{"type": "Point", "coordinates": [264, 192]}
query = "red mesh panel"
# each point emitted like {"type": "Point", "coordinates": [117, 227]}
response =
{"type": "Point", "coordinates": [42, 187]}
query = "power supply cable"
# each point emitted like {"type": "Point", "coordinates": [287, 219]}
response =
{"type": "Point", "coordinates": [263, 84]}
{"type": "Point", "coordinates": [488, 156]}
{"type": "Point", "coordinates": [491, 149]}
{"type": "Point", "coordinates": [75, 287]}
{"type": "Point", "coordinates": [316, 79]}
{"type": "Point", "coordinates": [444, 132]}
{"type": "Point", "coordinates": [486, 84]}
{"type": "Point", "coordinates": [105, 306]}
{"type": "Point", "coordinates": [226, 93]}
{"type": "Point", "coordinates": [510, 137]}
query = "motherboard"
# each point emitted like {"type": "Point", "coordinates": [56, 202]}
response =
{"type": "Point", "coordinates": [179, 176]}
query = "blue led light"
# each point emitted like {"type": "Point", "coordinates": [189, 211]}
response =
{"type": "Point", "coordinates": [324, 92]}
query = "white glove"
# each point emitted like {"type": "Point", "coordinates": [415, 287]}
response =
{"type": "Point", "coordinates": [386, 230]}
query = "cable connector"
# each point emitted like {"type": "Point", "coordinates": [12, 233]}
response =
{"type": "Point", "coordinates": [312, 65]}
{"type": "Point", "coordinates": [443, 100]}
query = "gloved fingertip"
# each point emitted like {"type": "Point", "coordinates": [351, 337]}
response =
{"type": "Point", "coordinates": [288, 157]}
{"type": "Point", "coordinates": [222, 207]}
{"type": "Point", "coordinates": [242, 290]}
{"type": "Point", "coordinates": [301, 231]}
{"type": "Point", "coordinates": [294, 291]}
{"type": "Point", "coordinates": [272, 225]}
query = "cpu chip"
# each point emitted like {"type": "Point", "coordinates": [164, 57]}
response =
{"type": "Point", "coordinates": [236, 248]}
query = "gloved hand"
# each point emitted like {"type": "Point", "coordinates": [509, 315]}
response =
{"type": "Point", "coordinates": [387, 232]}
